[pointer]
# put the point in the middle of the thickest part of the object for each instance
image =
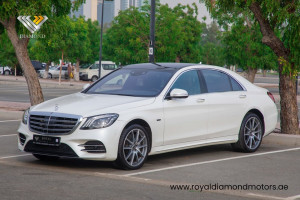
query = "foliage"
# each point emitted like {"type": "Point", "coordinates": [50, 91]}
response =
{"type": "Point", "coordinates": [177, 35]}
{"type": "Point", "coordinates": [7, 52]}
{"type": "Point", "coordinates": [282, 16]}
{"type": "Point", "coordinates": [243, 47]}
{"type": "Point", "coordinates": [212, 49]}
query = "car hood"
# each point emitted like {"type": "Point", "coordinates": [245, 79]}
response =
{"type": "Point", "coordinates": [92, 104]}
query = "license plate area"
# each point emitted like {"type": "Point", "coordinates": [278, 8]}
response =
{"type": "Point", "coordinates": [46, 140]}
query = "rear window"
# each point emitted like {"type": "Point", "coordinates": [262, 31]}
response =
{"type": "Point", "coordinates": [216, 81]}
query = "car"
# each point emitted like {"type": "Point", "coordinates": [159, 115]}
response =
{"type": "Point", "coordinates": [54, 72]}
{"type": "Point", "coordinates": [37, 65]}
{"type": "Point", "coordinates": [5, 70]}
{"type": "Point", "coordinates": [90, 71]}
{"type": "Point", "coordinates": [151, 108]}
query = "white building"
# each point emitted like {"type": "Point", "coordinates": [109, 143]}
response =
{"type": "Point", "coordinates": [92, 9]}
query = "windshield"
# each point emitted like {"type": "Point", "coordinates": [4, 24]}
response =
{"type": "Point", "coordinates": [84, 66]}
{"type": "Point", "coordinates": [133, 82]}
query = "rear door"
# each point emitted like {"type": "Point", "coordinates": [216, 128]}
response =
{"type": "Point", "coordinates": [226, 101]}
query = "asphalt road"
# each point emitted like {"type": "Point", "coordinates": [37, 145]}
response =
{"type": "Point", "coordinates": [24, 177]}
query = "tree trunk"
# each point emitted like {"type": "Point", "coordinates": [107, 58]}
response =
{"type": "Point", "coordinates": [288, 100]}
{"type": "Point", "coordinates": [20, 46]}
{"type": "Point", "coordinates": [47, 69]}
{"type": "Point", "coordinates": [177, 60]}
{"type": "Point", "coordinates": [288, 103]}
{"type": "Point", "coordinates": [251, 74]}
{"type": "Point", "coordinates": [264, 73]}
{"type": "Point", "coordinates": [77, 70]}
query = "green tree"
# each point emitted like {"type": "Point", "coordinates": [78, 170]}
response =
{"type": "Point", "coordinates": [9, 11]}
{"type": "Point", "coordinates": [244, 49]}
{"type": "Point", "coordinates": [177, 35]}
{"type": "Point", "coordinates": [279, 23]}
{"type": "Point", "coordinates": [7, 53]}
{"type": "Point", "coordinates": [77, 42]}
{"type": "Point", "coordinates": [212, 49]}
{"type": "Point", "coordinates": [94, 37]}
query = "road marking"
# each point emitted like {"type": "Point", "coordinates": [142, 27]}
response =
{"type": "Point", "coordinates": [1, 158]}
{"type": "Point", "coordinates": [8, 135]}
{"type": "Point", "coordinates": [210, 161]}
{"type": "Point", "coordinates": [293, 197]}
{"type": "Point", "coordinates": [262, 196]}
{"type": "Point", "coordinates": [15, 120]}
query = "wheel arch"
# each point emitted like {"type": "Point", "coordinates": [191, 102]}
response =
{"type": "Point", "coordinates": [145, 125]}
{"type": "Point", "coordinates": [260, 115]}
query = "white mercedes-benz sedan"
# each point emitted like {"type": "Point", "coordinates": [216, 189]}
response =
{"type": "Point", "coordinates": [145, 109]}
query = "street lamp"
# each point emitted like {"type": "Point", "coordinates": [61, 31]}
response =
{"type": "Point", "coordinates": [152, 32]}
{"type": "Point", "coordinates": [101, 34]}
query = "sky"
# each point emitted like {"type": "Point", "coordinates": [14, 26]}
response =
{"type": "Point", "coordinates": [201, 7]}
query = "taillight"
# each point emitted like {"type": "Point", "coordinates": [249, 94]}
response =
{"type": "Point", "coordinates": [271, 96]}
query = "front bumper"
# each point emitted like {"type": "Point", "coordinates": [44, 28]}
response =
{"type": "Point", "coordinates": [76, 144]}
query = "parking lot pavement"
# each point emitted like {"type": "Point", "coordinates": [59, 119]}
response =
{"type": "Point", "coordinates": [273, 164]}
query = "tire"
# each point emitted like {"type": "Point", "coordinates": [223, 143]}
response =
{"type": "Point", "coordinates": [49, 75]}
{"type": "Point", "coordinates": [6, 72]}
{"type": "Point", "coordinates": [45, 158]}
{"type": "Point", "coordinates": [133, 147]}
{"type": "Point", "coordinates": [251, 133]}
{"type": "Point", "coordinates": [94, 78]}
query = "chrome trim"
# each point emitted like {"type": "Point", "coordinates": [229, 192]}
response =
{"type": "Point", "coordinates": [48, 116]}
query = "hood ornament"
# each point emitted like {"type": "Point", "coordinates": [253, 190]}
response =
{"type": "Point", "coordinates": [56, 107]}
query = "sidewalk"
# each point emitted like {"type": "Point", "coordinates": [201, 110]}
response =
{"type": "Point", "coordinates": [44, 82]}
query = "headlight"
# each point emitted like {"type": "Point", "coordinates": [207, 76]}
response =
{"type": "Point", "coordinates": [99, 121]}
{"type": "Point", "coordinates": [25, 116]}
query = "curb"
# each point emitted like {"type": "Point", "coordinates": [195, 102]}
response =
{"type": "Point", "coordinates": [282, 139]}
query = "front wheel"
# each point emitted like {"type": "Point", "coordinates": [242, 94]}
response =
{"type": "Point", "coordinates": [133, 147]}
{"type": "Point", "coordinates": [251, 133]}
{"type": "Point", "coordinates": [94, 78]}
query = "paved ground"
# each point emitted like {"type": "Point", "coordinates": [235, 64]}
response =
{"type": "Point", "coordinates": [276, 163]}
{"type": "Point", "coordinates": [23, 177]}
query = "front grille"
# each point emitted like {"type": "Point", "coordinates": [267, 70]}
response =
{"type": "Point", "coordinates": [62, 150]}
{"type": "Point", "coordinates": [53, 123]}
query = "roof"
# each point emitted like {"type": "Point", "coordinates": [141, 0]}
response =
{"type": "Point", "coordinates": [175, 66]}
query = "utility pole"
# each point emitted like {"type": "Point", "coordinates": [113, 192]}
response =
{"type": "Point", "coordinates": [101, 34]}
{"type": "Point", "coordinates": [152, 33]}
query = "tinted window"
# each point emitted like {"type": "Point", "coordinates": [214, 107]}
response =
{"type": "Point", "coordinates": [109, 66]}
{"type": "Point", "coordinates": [216, 81]}
{"type": "Point", "coordinates": [235, 85]}
{"type": "Point", "coordinates": [133, 82]}
{"type": "Point", "coordinates": [188, 81]}
{"type": "Point", "coordinates": [95, 66]}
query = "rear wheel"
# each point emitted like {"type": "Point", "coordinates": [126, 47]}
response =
{"type": "Point", "coordinates": [133, 147]}
{"type": "Point", "coordinates": [94, 78]}
{"type": "Point", "coordinates": [45, 158]}
{"type": "Point", "coordinates": [250, 135]}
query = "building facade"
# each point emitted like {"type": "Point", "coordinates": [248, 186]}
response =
{"type": "Point", "coordinates": [92, 9]}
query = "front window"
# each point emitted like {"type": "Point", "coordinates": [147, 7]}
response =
{"type": "Point", "coordinates": [133, 82]}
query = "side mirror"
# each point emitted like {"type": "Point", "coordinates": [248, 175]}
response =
{"type": "Point", "coordinates": [85, 86]}
{"type": "Point", "coordinates": [179, 93]}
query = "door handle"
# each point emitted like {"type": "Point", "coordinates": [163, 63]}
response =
{"type": "Point", "coordinates": [200, 100]}
{"type": "Point", "coordinates": [243, 96]}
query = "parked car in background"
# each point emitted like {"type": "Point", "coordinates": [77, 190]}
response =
{"type": "Point", "coordinates": [54, 72]}
{"type": "Point", "coordinates": [151, 108]}
{"type": "Point", "coordinates": [90, 71]}
{"type": "Point", "coordinates": [5, 70]}
{"type": "Point", "coordinates": [38, 65]}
